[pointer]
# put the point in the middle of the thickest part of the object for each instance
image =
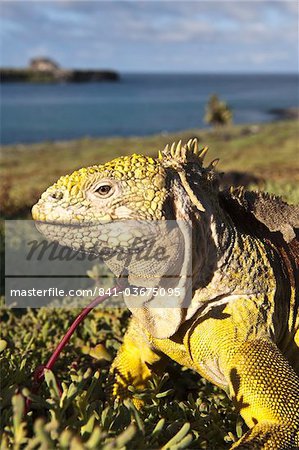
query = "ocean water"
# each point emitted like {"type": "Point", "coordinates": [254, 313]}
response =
{"type": "Point", "coordinates": [137, 105]}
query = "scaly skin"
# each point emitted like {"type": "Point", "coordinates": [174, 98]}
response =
{"type": "Point", "coordinates": [241, 330]}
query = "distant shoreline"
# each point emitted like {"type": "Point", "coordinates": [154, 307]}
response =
{"type": "Point", "coordinates": [243, 129]}
{"type": "Point", "coordinates": [285, 113]}
{"type": "Point", "coordinates": [10, 75]}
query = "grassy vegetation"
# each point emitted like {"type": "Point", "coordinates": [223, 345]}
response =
{"type": "Point", "coordinates": [183, 410]}
{"type": "Point", "coordinates": [82, 417]}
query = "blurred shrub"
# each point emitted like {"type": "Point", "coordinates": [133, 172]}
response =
{"type": "Point", "coordinates": [218, 113]}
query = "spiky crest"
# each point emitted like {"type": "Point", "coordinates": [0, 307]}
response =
{"type": "Point", "coordinates": [177, 155]}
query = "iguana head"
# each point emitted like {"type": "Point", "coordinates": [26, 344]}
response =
{"type": "Point", "coordinates": [173, 186]}
{"type": "Point", "coordinates": [129, 187]}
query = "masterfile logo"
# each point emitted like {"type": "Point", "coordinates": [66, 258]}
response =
{"type": "Point", "coordinates": [48, 263]}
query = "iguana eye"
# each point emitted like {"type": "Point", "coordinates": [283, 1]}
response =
{"type": "Point", "coordinates": [104, 190]}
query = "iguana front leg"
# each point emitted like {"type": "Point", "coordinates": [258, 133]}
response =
{"type": "Point", "coordinates": [266, 389]}
{"type": "Point", "coordinates": [134, 364]}
{"type": "Point", "coordinates": [261, 382]}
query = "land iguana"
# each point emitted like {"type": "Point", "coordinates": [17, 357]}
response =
{"type": "Point", "coordinates": [241, 328]}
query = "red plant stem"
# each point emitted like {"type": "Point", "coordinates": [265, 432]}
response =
{"type": "Point", "coordinates": [38, 374]}
{"type": "Point", "coordinates": [77, 321]}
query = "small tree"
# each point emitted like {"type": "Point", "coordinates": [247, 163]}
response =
{"type": "Point", "coordinates": [218, 113]}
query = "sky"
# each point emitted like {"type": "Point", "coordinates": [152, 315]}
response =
{"type": "Point", "coordinates": [153, 36]}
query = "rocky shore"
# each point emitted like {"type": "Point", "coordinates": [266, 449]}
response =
{"type": "Point", "coordinates": [58, 76]}
{"type": "Point", "coordinates": [46, 70]}
{"type": "Point", "coordinates": [285, 113]}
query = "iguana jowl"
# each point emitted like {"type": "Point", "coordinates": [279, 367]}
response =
{"type": "Point", "coordinates": [241, 330]}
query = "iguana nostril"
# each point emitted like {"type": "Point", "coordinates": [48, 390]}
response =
{"type": "Point", "coordinates": [57, 195]}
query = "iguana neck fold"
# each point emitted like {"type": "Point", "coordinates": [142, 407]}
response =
{"type": "Point", "coordinates": [236, 263]}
